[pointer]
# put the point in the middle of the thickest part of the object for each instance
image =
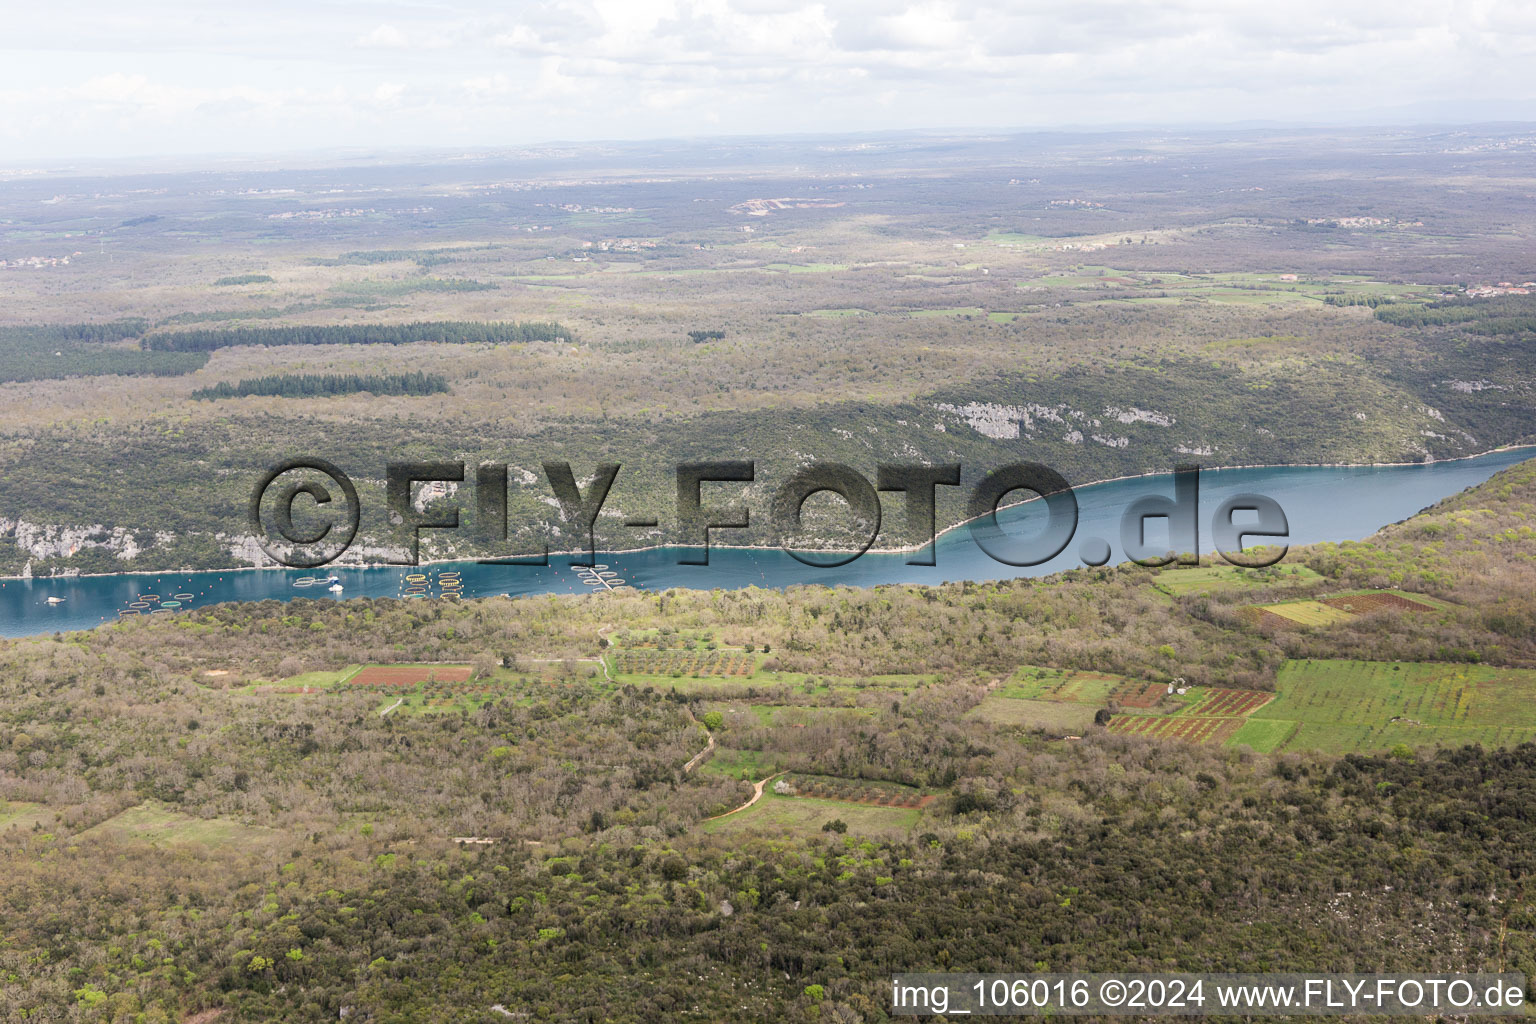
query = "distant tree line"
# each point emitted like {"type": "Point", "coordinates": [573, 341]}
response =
{"type": "Point", "coordinates": [320, 385]}
{"type": "Point", "coordinates": [56, 351]}
{"type": "Point", "coordinates": [461, 332]}
{"type": "Point", "coordinates": [421, 257]}
{"type": "Point", "coordinates": [1356, 300]}
{"type": "Point", "coordinates": [1413, 314]}
{"type": "Point", "coordinates": [698, 337]}
{"type": "Point", "coordinates": [1490, 316]}
{"type": "Point", "coordinates": [244, 279]}
{"type": "Point", "coordinates": [98, 334]}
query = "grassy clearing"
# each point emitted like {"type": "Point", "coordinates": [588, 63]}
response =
{"type": "Point", "coordinates": [323, 679]}
{"type": "Point", "coordinates": [1262, 735]}
{"type": "Point", "coordinates": [788, 715]}
{"type": "Point", "coordinates": [1341, 706]}
{"type": "Point", "coordinates": [1070, 685]}
{"type": "Point", "coordinates": [1059, 718]}
{"type": "Point", "coordinates": [154, 822]}
{"type": "Point", "coordinates": [523, 685]}
{"type": "Point", "coordinates": [735, 763]}
{"type": "Point", "coordinates": [420, 704]}
{"type": "Point", "coordinates": [20, 814]}
{"type": "Point", "coordinates": [950, 311]}
{"type": "Point", "coordinates": [776, 815]}
{"type": "Point", "coordinates": [1017, 238]}
{"type": "Point", "coordinates": [806, 268]}
{"type": "Point", "coordinates": [839, 312]}
{"type": "Point", "coordinates": [1195, 579]}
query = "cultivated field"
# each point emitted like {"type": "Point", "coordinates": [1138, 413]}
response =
{"type": "Point", "coordinates": [1302, 613]}
{"type": "Point", "coordinates": [1187, 728]}
{"type": "Point", "coordinates": [1072, 686]}
{"type": "Point", "coordinates": [1219, 702]}
{"type": "Point", "coordinates": [1338, 706]}
{"type": "Point", "coordinates": [410, 675]}
{"type": "Point", "coordinates": [683, 662]}
{"type": "Point", "coordinates": [1326, 611]}
{"type": "Point", "coordinates": [856, 791]}
{"type": "Point", "coordinates": [1364, 604]}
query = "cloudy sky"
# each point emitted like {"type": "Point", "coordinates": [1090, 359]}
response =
{"type": "Point", "coordinates": [177, 77]}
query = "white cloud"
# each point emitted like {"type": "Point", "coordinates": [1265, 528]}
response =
{"type": "Point", "coordinates": [385, 37]}
{"type": "Point", "coordinates": [488, 87]}
{"type": "Point", "coordinates": [388, 93]}
{"type": "Point", "coordinates": [167, 76]}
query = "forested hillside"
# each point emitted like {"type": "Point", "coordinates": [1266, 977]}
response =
{"type": "Point", "coordinates": [401, 810]}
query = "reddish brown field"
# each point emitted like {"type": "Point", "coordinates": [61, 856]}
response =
{"type": "Point", "coordinates": [409, 675]}
{"type": "Point", "coordinates": [1141, 697]}
{"type": "Point", "coordinates": [1223, 703]}
{"type": "Point", "coordinates": [1269, 620]}
{"type": "Point", "coordinates": [1184, 728]}
{"type": "Point", "coordinates": [1362, 604]}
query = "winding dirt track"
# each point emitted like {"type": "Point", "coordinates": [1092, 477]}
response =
{"type": "Point", "coordinates": [698, 759]}
{"type": "Point", "coordinates": [757, 794]}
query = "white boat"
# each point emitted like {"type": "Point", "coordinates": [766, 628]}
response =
{"type": "Point", "coordinates": [55, 600]}
{"type": "Point", "coordinates": [337, 588]}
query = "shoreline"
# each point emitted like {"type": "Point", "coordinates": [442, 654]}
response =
{"type": "Point", "coordinates": [333, 566]}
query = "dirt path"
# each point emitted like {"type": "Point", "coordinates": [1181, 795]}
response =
{"type": "Point", "coordinates": [392, 707]}
{"type": "Point", "coordinates": [601, 636]}
{"type": "Point", "coordinates": [757, 794]}
{"type": "Point", "coordinates": [698, 758]}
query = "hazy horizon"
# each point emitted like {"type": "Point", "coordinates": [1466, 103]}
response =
{"type": "Point", "coordinates": [407, 154]}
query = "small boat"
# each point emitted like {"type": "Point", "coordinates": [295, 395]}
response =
{"type": "Point", "coordinates": [337, 588]}
{"type": "Point", "coordinates": [55, 600]}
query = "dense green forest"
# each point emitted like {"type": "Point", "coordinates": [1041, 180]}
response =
{"type": "Point", "coordinates": [1512, 314]}
{"type": "Point", "coordinates": [313, 385]}
{"type": "Point", "coordinates": [57, 351]}
{"type": "Point", "coordinates": [453, 332]}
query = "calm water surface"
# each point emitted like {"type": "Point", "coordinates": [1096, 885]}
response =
{"type": "Point", "coordinates": [1321, 503]}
